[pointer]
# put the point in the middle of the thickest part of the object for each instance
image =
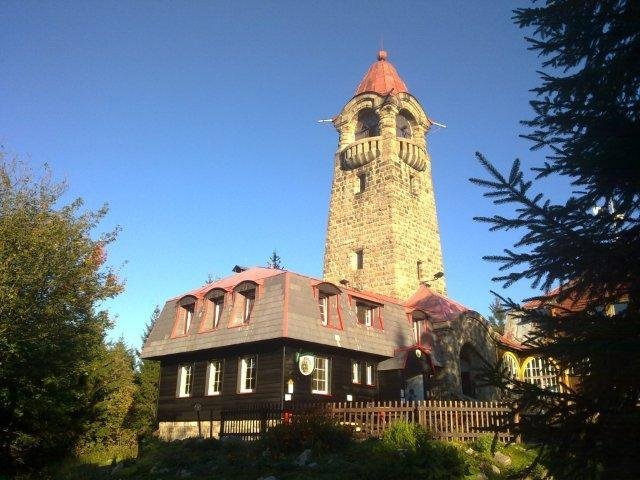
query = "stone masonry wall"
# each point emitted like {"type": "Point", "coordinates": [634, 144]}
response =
{"type": "Point", "coordinates": [394, 220]}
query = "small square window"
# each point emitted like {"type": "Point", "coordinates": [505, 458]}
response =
{"type": "Point", "coordinates": [185, 380]}
{"type": "Point", "coordinates": [365, 313]}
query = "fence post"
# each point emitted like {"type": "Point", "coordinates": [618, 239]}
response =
{"type": "Point", "coordinates": [263, 422]}
{"type": "Point", "coordinates": [222, 415]}
{"type": "Point", "coordinates": [516, 421]}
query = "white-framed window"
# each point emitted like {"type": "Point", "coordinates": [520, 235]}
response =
{"type": "Point", "coordinates": [218, 308]}
{"type": "Point", "coordinates": [320, 376]}
{"type": "Point", "coordinates": [248, 298]}
{"type": "Point", "coordinates": [323, 305]}
{"type": "Point", "coordinates": [541, 372]}
{"type": "Point", "coordinates": [511, 364]}
{"type": "Point", "coordinates": [186, 313]}
{"type": "Point", "coordinates": [369, 374]}
{"type": "Point", "coordinates": [214, 377]}
{"type": "Point", "coordinates": [185, 380]}
{"type": "Point", "coordinates": [247, 370]}
{"type": "Point", "coordinates": [366, 313]}
{"type": "Point", "coordinates": [355, 372]}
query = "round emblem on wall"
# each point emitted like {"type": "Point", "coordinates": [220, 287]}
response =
{"type": "Point", "coordinates": [306, 364]}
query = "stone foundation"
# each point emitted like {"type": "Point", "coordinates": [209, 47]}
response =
{"type": "Point", "coordinates": [182, 430]}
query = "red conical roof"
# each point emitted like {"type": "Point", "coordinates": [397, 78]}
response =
{"type": "Point", "coordinates": [382, 78]}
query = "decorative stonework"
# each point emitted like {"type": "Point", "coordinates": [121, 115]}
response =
{"type": "Point", "coordinates": [393, 221]}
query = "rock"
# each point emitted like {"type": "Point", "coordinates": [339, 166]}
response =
{"type": "Point", "coordinates": [502, 459]}
{"type": "Point", "coordinates": [303, 458]}
{"type": "Point", "coordinates": [495, 469]}
{"type": "Point", "coordinates": [184, 473]}
{"type": "Point", "coordinates": [481, 476]}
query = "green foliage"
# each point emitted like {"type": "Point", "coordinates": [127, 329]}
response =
{"type": "Point", "coordinates": [52, 277]}
{"type": "Point", "coordinates": [313, 430]}
{"type": "Point", "coordinates": [204, 459]}
{"type": "Point", "coordinates": [498, 315]}
{"type": "Point", "coordinates": [404, 436]}
{"type": "Point", "coordinates": [587, 115]}
{"type": "Point", "coordinates": [142, 416]}
{"type": "Point", "coordinates": [274, 261]}
{"type": "Point", "coordinates": [111, 388]}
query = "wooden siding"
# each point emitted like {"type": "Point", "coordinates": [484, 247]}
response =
{"type": "Point", "coordinates": [270, 381]}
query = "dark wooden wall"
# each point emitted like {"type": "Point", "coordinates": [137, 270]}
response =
{"type": "Point", "coordinates": [270, 385]}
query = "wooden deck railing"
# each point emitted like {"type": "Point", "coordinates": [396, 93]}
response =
{"type": "Point", "coordinates": [446, 420]}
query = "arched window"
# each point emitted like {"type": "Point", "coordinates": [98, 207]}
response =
{"type": "Point", "coordinates": [185, 315]}
{"type": "Point", "coordinates": [214, 309]}
{"type": "Point", "coordinates": [404, 122]}
{"type": "Point", "coordinates": [541, 372]}
{"type": "Point", "coordinates": [244, 300]}
{"type": "Point", "coordinates": [510, 363]}
{"type": "Point", "coordinates": [368, 124]}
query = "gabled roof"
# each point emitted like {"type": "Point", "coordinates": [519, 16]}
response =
{"type": "Point", "coordinates": [382, 78]}
{"type": "Point", "coordinates": [438, 307]}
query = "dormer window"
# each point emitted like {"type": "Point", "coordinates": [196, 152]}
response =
{"type": "Point", "coordinates": [368, 314]}
{"type": "Point", "coordinates": [214, 310]}
{"type": "Point", "coordinates": [404, 120]}
{"type": "Point", "coordinates": [368, 124]}
{"type": "Point", "coordinates": [185, 310]}
{"type": "Point", "coordinates": [245, 297]}
{"type": "Point", "coordinates": [328, 309]}
{"type": "Point", "coordinates": [323, 305]}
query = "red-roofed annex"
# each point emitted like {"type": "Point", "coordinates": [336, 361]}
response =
{"type": "Point", "coordinates": [377, 326]}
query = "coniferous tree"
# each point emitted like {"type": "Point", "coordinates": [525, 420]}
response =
{"type": "Point", "coordinates": [52, 277]}
{"type": "Point", "coordinates": [274, 261]}
{"type": "Point", "coordinates": [588, 117]}
{"type": "Point", "coordinates": [145, 401]}
{"type": "Point", "coordinates": [498, 315]}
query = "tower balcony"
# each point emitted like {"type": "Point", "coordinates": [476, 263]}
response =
{"type": "Point", "coordinates": [412, 154]}
{"type": "Point", "coordinates": [360, 152]}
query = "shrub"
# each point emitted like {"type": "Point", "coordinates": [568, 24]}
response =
{"type": "Point", "coordinates": [404, 436]}
{"type": "Point", "coordinates": [314, 431]}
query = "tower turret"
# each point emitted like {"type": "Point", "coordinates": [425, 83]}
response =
{"type": "Point", "coordinates": [383, 231]}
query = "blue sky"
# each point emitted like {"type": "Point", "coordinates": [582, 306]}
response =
{"type": "Point", "coordinates": [197, 123]}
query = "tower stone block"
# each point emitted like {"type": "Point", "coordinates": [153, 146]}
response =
{"type": "Point", "coordinates": [382, 233]}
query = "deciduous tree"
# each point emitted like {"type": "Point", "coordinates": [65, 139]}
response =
{"type": "Point", "coordinates": [52, 278]}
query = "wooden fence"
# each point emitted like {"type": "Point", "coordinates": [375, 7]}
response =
{"type": "Point", "coordinates": [447, 420]}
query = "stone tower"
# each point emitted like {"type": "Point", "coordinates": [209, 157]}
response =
{"type": "Point", "coordinates": [383, 232]}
